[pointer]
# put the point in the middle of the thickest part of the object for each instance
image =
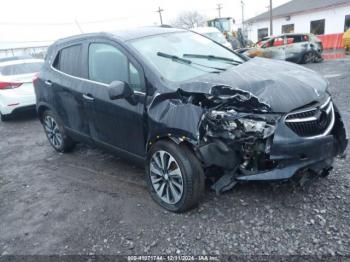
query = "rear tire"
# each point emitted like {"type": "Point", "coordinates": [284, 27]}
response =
{"type": "Point", "coordinates": [55, 132]}
{"type": "Point", "coordinates": [174, 176]}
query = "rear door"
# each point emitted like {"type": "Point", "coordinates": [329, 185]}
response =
{"type": "Point", "coordinates": [117, 123]}
{"type": "Point", "coordinates": [66, 84]}
{"type": "Point", "coordinates": [276, 49]}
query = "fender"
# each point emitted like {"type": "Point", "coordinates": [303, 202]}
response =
{"type": "Point", "coordinates": [177, 137]}
{"type": "Point", "coordinates": [41, 106]}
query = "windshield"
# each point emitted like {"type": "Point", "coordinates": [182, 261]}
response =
{"type": "Point", "coordinates": [178, 44]}
{"type": "Point", "coordinates": [217, 36]}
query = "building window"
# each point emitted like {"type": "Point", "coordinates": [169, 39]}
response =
{"type": "Point", "coordinates": [347, 23]}
{"type": "Point", "coordinates": [317, 27]}
{"type": "Point", "coordinates": [287, 29]}
{"type": "Point", "coordinates": [263, 32]}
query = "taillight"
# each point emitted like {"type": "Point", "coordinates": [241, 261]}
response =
{"type": "Point", "coordinates": [9, 85]}
{"type": "Point", "coordinates": [35, 77]}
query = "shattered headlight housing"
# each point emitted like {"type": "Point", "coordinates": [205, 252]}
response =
{"type": "Point", "coordinates": [261, 125]}
{"type": "Point", "coordinates": [257, 126]}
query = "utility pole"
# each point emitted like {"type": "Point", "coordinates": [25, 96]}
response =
{"type": "Point", "coordinates": [271, 19]}
{"type": "Point", "coordinates": [78, 25]}
{"type": "Point", "coordinates": [219, 9]}
{"type": "Point", "coordinates": [242, 3]}
{"type": "Point", "coordinates": [160, 14]}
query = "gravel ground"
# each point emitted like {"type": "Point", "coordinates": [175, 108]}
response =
{"type": "Point", "coordinates": [90, 202]}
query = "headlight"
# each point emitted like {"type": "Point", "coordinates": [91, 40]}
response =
{"type": "Point", "coordinates": [243, 124]}
{"type": "Point", "coordinates": [257, 126]}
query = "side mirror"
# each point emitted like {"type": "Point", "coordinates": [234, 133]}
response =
{"type": "Point", "coordinates": [119, 89]}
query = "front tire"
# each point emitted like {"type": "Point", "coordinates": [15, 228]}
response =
{"type": "Point", "coordinates": [174, 176]}
{"type": "Point", "coordinates": [308, 58]}
{"type": "Point", "coordinates": [56, 133]}
{"type": "Point", "coordinates": [5, 118]}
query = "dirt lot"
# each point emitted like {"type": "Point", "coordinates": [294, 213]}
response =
{"type": "Point", "coordinates": [90, 202]}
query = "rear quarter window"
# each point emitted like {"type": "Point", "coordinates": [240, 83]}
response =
{"type": "Point", "coordinates": [69, 60]}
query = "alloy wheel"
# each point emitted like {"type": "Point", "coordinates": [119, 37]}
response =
{"type": "Point", "coordinates": [166, 177]}
{"type": "Point", "coordinates": [52, 131]}
{"type": "Point", "coordinates": [309, 58]}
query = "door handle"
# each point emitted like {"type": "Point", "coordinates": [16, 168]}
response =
{"type": "Point", "coordinates": [48, 82]}
{"type": "Point", "coordinates": [88, 97]}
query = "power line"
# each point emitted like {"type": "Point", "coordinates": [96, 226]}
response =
{"type": "Point", "coordinates": [79, 27]}
{"type": "Point", "coordinates": [63, 23]}
{"type": "Point", "coordinates": [219, 7]}
{"type": "Point", "coordinates": [160, 14]}
{"type": "Point", "coordinates": [26, 41]}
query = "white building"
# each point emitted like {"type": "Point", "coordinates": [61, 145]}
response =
{"type": "Point", "coordinates": [302, 16]}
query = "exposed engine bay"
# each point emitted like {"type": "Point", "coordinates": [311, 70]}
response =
{"type": "Point", "coordinates": [232, 133]}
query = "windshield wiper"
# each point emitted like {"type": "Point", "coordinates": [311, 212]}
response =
{"type": "Point", "coordinates": [186, 61]}
{"type": "Point", "coordinates": [213, 57]}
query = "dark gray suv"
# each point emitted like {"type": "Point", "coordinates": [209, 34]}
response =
{"type": "Point", "coordinates": [187, 108]}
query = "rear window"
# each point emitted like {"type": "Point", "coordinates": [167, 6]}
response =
{"type": "Point", "coordinates": [20, 69]}
{"type": "Point", "coordinates": [68, 60]}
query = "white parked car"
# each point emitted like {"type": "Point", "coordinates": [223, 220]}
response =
{"type": "Point", "coordinates": [214, 34]}
{"type": "Point", "coordinates": [16, 86]}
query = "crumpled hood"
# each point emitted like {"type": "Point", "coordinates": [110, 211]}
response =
{"type": "Point", "coordinates": [282, 85]}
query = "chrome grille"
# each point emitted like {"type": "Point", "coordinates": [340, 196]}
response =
{"type": "Point", "coordinates": [312, 122]}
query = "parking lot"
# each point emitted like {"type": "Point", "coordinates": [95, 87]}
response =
{"type": "Point", "coordinates": [90, 202]}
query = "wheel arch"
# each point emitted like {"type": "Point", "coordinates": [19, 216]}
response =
{"type": "Point", "coordinates": [42, 107]}
{"type": "Point", "coordinates": [180, 138]}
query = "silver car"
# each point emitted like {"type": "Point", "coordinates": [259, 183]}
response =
{"type": "Point", "coordinates": [298, 48]}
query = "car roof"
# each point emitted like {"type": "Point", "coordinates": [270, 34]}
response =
{"type": "Point", "coordinates": [206, 29]}
{"type": "Point", "coordinates": [22, 61]}
{"type": "Point", "coordinates": [286, 34]}
{"type": "Point", "coordinates": [123, 35]}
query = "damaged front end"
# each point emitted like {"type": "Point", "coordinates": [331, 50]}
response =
{"type": "Point", "coordinates": [237, 137]}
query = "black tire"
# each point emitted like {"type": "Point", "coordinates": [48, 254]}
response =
{"type": "Point", "coordinates": [192, 176]}
{"type": "Point", "coordinates": [5, 118]}
{"type": "Point", "coordinates": [65, 144]}
{"type": "Point", "coordinates": [308, 58]}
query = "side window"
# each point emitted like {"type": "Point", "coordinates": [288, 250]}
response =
{"type": "Point", "coordinates": [278, 41]}
{"type": "Point", "coordinates": [108, 64]}
{"type": "Point", "coordinates": [297, 39]}
{"type": "Point", "coordinates": [135, 80]}
{"type": "Point", "coordinates": [68, 60]}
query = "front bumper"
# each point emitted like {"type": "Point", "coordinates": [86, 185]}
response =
{"type": "Point", "coordinates": [314, 154]}
{"type": "Point", "coordinates": [293, 153]}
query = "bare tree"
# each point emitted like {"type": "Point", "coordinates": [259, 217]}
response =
{"type": "Point", "coordinates": [189, 19]}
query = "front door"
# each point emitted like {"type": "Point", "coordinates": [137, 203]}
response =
{"type": "Point", "coordinates": [118, 123]}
